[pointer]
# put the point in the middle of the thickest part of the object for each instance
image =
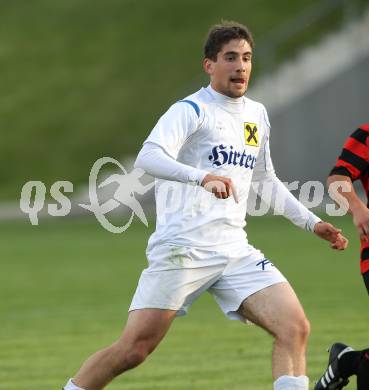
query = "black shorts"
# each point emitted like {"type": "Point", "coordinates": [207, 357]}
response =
{"type": "Point", "coordinates": [366, 280]}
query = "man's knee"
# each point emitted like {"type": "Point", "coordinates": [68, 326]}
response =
{"type": "Point", "coordinates": [303, 328]}
{"type": "Point", "coordinates": [136, 355]}
{"type": "Point", "coordinates": [294, 331]}
{"type": "Point", "coordinates": [130, 356]}
{"type": "Point", "coordinates": [143, 332]}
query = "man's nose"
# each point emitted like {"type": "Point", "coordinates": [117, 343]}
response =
{"type": "Point", "coordinates": [241, 65]}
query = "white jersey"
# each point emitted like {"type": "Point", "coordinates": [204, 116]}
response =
{"type": "Point", "coordinates": [223, 136]}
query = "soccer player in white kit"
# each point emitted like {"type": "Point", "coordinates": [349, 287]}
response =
{"type": "Point", "coordinates": [205, 152]}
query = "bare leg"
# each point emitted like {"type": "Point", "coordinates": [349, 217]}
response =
{"type": "Point", "coordinates": [143, 332]}
{"type": "Point", "coordinates": [278, 310]}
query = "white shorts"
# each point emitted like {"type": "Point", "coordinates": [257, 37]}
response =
{"type": "Point", "coordinates": [176, 276]}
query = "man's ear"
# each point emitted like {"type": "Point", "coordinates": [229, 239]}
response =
{"type": "Point", "coordinates": [208, 66]}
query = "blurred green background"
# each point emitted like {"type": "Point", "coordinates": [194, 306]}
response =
{"type": "Point", "coordinates": [83, 79]}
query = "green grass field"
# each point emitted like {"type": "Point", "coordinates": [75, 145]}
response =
{"type": "Point", "coordinates": [66, 286]}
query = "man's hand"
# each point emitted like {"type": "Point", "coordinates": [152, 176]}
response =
{"type": "Point", "coordinates": [360, 217]}
{"type": "Point", "coordinates": [221, 187]}
{"type": "Point", "coordinates": [328, 232]}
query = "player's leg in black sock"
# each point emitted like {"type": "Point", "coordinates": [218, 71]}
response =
{"type": "Point", "coordinates": [363, 371]}
{"type": "Point", "coordinates": [356, 363]}
{"type": "Point", "coordinates": [348, 364]}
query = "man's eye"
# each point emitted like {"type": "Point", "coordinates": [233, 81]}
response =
{"type": "Point", "coordinates": [230, 58]}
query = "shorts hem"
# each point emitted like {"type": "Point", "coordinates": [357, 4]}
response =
{"type": "Point", "coordinates": [233, 315]}
{"type": "Point", "coordinates": [180, 311]}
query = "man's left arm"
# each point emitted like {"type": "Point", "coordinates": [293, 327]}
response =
{"type": "Point", "coordinates": [287, 205]}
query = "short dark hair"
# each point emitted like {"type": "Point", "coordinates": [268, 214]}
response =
{"type": "Point", "coordinates": [222, 33]}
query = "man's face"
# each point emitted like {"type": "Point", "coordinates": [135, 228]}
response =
{"type": "Point", "coordinates": [230, 73]}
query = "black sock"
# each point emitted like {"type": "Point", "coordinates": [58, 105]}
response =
{"type": "Point", "coordinates": [363, 371]}
{"type": "Point", "coordinates": [348, 364]}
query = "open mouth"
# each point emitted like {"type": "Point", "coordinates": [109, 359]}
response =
{"type": "Point", "coordinates": [238, 80]}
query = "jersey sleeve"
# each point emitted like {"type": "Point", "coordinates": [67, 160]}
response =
{"type": "Point", "coordinates": [175, 127]}
{"type": "Point", "coordinates": [154, 161]}
{"type": "Point", "coordinates": [354, 158]}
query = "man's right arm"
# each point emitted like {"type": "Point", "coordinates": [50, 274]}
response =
{"type": "Point", "coordinates": [153, 159]}
{"type": "Point", "coordinates": [158, 156]}
{"type": "Point", "coordinates": [357, 208]}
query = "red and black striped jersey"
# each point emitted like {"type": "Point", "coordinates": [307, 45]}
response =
{"type": "Point", "coordinates": [354, 158]}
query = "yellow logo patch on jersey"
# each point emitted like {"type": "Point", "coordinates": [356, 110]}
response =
{"type": "Point", "coordinates": [251, 134]}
